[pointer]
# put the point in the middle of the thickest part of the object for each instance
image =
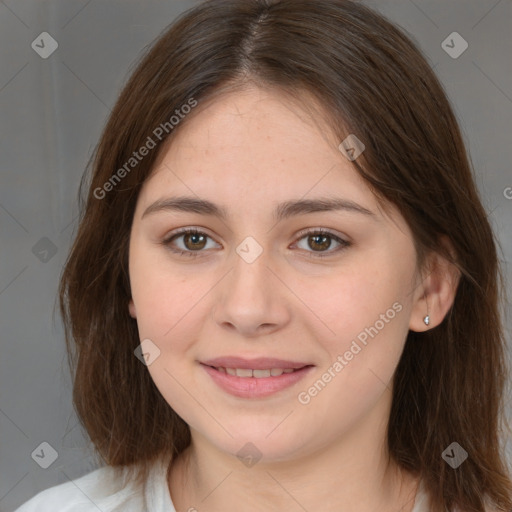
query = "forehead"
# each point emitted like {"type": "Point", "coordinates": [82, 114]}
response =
{"type": "Point", "coordinates": [255, 143]}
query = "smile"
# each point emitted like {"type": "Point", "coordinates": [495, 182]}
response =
{"type": "Point", "coordinates": [255, 383]}
{"type": "Point", "coordinates": [258, 374]}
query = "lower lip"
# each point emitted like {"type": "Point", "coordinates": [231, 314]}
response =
{"type": "Point", "coordinates": [252, 387]}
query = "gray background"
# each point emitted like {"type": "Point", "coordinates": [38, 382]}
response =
{"type": "Point", "coordinates": [51, 114]}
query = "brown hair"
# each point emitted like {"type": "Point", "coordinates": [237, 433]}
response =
{"type": "Point", "coordinates": [373, 82]}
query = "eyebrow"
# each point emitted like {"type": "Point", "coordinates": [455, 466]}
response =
{"type": "Point", "coordinates": [281, 212]}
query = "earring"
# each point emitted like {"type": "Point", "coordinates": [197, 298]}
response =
{"type": "Point", "coordinates": [426, 319]}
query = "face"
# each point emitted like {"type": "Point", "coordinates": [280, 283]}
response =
{"type": "Point", "coordinates": [324, 294]}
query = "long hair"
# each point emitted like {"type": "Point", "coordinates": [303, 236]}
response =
{"type": "Point", "coordinates": [372, 81]}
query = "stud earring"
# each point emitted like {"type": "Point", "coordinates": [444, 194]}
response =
{"type": "Point", "coordinates": [426, 319]}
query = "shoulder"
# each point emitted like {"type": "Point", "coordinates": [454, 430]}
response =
{"type": "Point", "coordinates": [103, 489]}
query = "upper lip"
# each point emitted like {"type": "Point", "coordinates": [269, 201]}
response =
{"type": "Point", "coordinates": [260, 363]}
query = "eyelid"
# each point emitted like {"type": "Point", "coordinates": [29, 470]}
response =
{"type": "Point", "coordinates": [323, 231]}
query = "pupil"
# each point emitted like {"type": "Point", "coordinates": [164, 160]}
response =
{"type": "Point", "coordinates": [321, 237]}
{"type": "Point", "coordinates": [195, 239]}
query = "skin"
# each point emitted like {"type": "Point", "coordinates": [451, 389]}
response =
{"type": "Point", "coordinates": [247, 151]}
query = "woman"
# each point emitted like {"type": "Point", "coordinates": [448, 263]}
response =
{"type": "Point", "coordinates": [284, 290]}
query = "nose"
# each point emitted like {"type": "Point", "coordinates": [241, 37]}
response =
{"type": "Point", "coordinates": [251, 300]}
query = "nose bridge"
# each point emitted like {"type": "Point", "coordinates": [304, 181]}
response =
{"type": "Point", "coordinates": [250, 272]}
{"type": "Point", "coordinates": [249, 298]}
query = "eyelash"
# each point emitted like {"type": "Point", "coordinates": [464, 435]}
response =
{"type": "Point", "coordinates": [312, 254]}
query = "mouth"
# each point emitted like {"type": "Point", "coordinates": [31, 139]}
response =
{"type": "Point", "coordinates": [258, 374]}
{"type": "Point", "coordinates": [257, 378]}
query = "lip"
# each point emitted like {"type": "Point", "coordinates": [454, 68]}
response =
{"type": "Point", "coordinates": [259, 363]}
{"type": "Point", "coordinates": [252, 387]}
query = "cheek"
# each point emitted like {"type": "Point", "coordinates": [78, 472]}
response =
{"type": "Point", "coordinates": [361, 357]}
{"type": "Point", "coordinates": [365, 312]}
{"type": "Point", "coordinates": [357, 298]}
{"type": "Point", "coordinates": [168, 310]}
{"type": "Point", "coordinates": [164, 296]}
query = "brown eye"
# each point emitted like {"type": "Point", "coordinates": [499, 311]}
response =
{"type": "Point", "coordinates": [194, 241]}
{"type": "Point", "coordinates": [319, 242]}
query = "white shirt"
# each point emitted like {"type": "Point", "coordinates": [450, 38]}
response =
{"type": "Point", "coordinates": [100, 490]}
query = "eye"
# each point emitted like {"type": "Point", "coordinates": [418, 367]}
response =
{"type": "Point", "coordinates": [320, 240]}
{"type": "Point", "coordinates": [193, 241]}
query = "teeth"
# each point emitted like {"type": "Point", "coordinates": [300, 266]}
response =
{"type": "Point", "coordinates": [242, 372]}
{"type": "Point", "coordinates": [258, 374]}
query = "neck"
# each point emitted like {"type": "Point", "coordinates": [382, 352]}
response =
{"type": "Point", "coordinates": [354, 473]}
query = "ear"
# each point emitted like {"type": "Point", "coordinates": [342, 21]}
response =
{"type": "Point", "coordinates": [436, 292]}
{"type": "Point", "coordinates": [131, 309]}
